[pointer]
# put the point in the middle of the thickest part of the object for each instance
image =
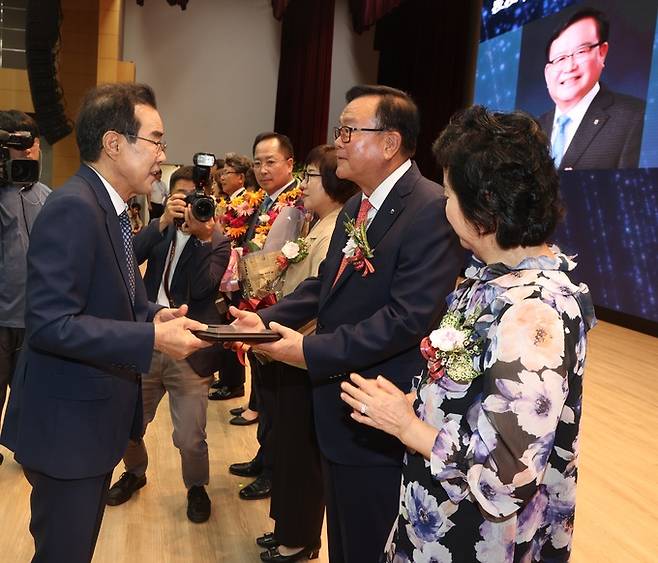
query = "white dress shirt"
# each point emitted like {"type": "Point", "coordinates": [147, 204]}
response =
{"type": "Point", "coordinates": [381, 192]}
{"type": "Point", "coordinates": [576, 114]}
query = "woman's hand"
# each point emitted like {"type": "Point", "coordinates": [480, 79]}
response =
{"type": "Point", "coordinates": [378, 403]}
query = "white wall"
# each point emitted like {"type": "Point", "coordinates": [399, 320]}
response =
{"type": "Point", "coordinates": [213, 67]}
{"type": "Point", "coordinates": [353, 61]}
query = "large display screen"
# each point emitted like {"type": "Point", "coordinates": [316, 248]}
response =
{"type": "Point", "coordinates": [594, 89]}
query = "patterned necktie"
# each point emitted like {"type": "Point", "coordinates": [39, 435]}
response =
{"type": "Point", "coordinates": [560, 139]}
{"type": "Point", "coordinates": [360, 218]}
{"type": "Point", "coordinates": [127, 236]}
{"type": "Point", "coordinates": [264, 207]}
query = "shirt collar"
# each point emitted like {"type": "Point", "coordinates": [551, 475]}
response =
{"type": "Point", "coordinates": [281, 190]}
{"type": "Point", "coordinates": [577, 112]}
{"type": "Point", "coordinates": [117, 201]}
{"type": "Point", "coordinates": [381, 192]}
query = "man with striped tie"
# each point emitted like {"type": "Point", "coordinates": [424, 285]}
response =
{"type": "Point", "coordinates": [90, 330]}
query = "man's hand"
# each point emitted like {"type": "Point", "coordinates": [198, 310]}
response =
{"type": "Point", "coordinates": [174, 338]}
{"type": "Point", "coordinates": [175, 209]}
{"type": "Point", "coordinates": [289, 349]}
{"type": "Point", "coordinates": [246, 320]}
{"type": "Point", "coordinates": [202, 230]}
{"type": "Point", "coordinates": [164, 315]}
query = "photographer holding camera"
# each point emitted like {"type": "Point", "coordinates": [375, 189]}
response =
{"type": "Point", "coordinates": [21, 199]}
{"type": "Point", "coordinates": [186, 260]}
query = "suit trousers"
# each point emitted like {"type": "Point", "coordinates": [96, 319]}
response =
{"type": "Point", "coordinates": [264, 384]}
{"type": "Point", "coordinates": [66, 516]}
{"type": "Point", "coordinates": [188, 404]}
{"type": "Point", "coordinates": [362, 505]}
{"type": "Point", "coordinates": [11, 342]}
{"type": "Point", "coordinates": [297, 504]}
{"type": "Point", "coordinates": [231, 371]}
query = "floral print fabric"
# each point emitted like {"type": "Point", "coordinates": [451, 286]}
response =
{"type": "Point", "coordinates": [500, 484]}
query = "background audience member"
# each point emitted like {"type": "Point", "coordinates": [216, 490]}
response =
{"type": "Point", "coordinates": [134, 211]}
{"type": "Point", "coordinates": [19, 205]}
{"type": "Point", "coordinates": [156, 199]}
{"type": "Point", "coordinates": [492, 435]}
{"type": "Point", "coordinates": [186, 259]}
{"type": "Point", "coordinates": [273, 165]}
{"type": "Point", "coordinates": [232, 373]}
{"type": "Point", "coordinates": [297, 504]}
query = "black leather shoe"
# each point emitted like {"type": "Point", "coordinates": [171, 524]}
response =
{"type": "Point", "coordinates": [273, 555]}
{"type": "Point", "coordinates": [241, 421]}
{"type": "Point", "coordinates": [267, 540]}
{"type": "Point", "coordinates": [198, 504]}
{"type": "Point", "coordinates": [2, 458]}
{"type": "Point", "coordinates": [246, 469]}
{"type": "Point", "coordinates": [260, 488]}
{"type": "Point", "coordinates": [124, 488]}
{"type": "Point", "coordinates": [216, 384]}
{"type": "Point", "coordinates": [237, 411]}
{"type": "Point", "coordinates": [224, 392]}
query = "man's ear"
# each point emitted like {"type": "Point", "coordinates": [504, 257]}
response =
{"type": "Point", "coordinates": [392, 143]}
{"type": "Point", "coordinates": [111, 144]}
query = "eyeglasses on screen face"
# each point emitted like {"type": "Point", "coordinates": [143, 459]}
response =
{"type": "Point", "coordinates": [579, 55]}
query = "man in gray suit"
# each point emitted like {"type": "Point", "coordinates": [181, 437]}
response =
{"type": "Point", "coordinates": [591, 127]}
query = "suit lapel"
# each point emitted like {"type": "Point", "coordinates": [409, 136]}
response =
{"type": "Point", "coordinates": [591, 125]}
{"type": "Point", "coordinates": [111, 223]}
{"type": "Point", "coordinates": [387, 214]}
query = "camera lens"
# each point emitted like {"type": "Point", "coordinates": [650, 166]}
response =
{"type": "Point", "coordinates": [203, 209]}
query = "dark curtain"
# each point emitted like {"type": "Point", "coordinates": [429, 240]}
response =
{"type": "Point", "coordinates": [302, 99]}
{"type": "Point", "coordinates": [428, 49]}
{"type": "Point", "coordinates": [366, 12]}
{"type": "Point", "coordinates": [278, 8]}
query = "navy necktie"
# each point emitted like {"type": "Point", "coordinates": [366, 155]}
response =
{"type": "Point", "coordinates": [127, 236]}
{"type": "Point", "coordinates": [560, 139]}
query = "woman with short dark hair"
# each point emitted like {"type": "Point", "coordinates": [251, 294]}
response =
{"type": "Point", "coordinates": [491, 425]}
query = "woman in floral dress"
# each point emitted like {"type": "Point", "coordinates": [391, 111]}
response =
{"type": "Point", "coordinates": [491, 425]}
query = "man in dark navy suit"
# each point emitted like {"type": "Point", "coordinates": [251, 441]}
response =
{"type": "Point", "coordinates": [90, 330]}
{"type": "Point", "coordinates": [370, 323]}
{"type": "Point", "coordinates": [591, 127]}
{"type": "Point", "coordinates": [186, 261]}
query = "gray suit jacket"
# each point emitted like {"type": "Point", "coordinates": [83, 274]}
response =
{"type": "Point", "coordinates": [609, 136]}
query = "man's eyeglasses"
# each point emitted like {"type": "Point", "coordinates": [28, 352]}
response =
{"type": "Point", "coordinates": [307, 175]}
{"type": "Point", "coordinates": [161, 146]}
{"type": "Point", "coordinates": [579, 55]}
{"type": "Point", "coordinates": [345, 132]}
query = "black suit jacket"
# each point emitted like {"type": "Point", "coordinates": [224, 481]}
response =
{"type": "Point", "coordinates": [76, 393]}
{"type": "Point", "coordinates": [609, 136]}
{"type": "Point", "coordinates": [195, 280]}
{"type": "Point", "coordinates": [373, 325]}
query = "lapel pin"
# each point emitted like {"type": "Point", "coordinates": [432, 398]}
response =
{"type": "Point", "coordinates": [392, 211]}
{"type": "Point", "coordinates": [596, 122]}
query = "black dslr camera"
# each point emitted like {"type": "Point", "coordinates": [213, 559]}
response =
{"type": "Point", "coordinates": [19, 171]}
{"type": "Point", "coordinates": [203, 206]}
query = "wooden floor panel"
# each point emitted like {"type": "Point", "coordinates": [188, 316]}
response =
{"type": "Point", "coordinates": [617, 507]}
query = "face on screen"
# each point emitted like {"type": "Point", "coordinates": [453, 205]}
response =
{"type": "Point", "coordinates": [577, 64]}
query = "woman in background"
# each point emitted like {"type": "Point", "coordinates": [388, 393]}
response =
{"type": "Point", "coordinates": [492, 436]}
{"type": "Point", "coordinates": [297, 504]}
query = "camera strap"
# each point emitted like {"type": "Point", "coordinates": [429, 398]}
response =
{"type": "Point", "coordinates": [167, 272]}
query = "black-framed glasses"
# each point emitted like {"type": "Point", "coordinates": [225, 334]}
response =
{"type": "Point", "coordinates": [161, 146]}
{"type": "Point", "coordinates": [345, 132]}
{"type": "Point", "coordinates": [307, 175]}
{"type": "Point", "coordinates": [580, 54]}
